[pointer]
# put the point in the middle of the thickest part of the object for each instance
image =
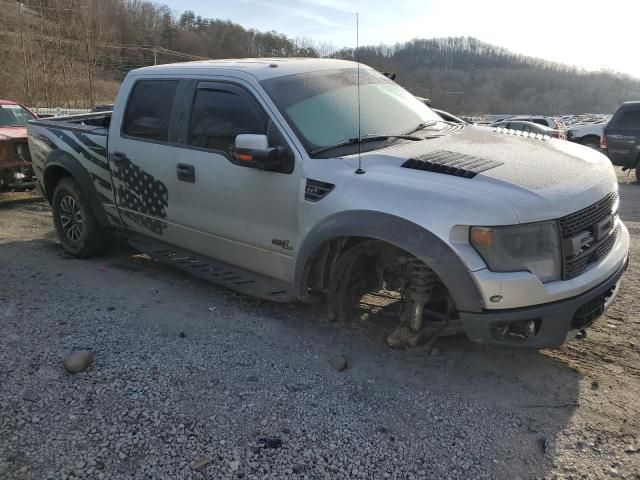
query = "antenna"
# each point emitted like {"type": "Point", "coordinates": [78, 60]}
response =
{"type": "Point", "coordinates": [359, 171]}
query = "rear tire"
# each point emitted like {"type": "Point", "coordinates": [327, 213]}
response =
{"type": "Point", "coordinates": [80, 233]}
{"type": "Point", "coordinates": [638, 173]}
{"type": "Point", "coordinates": [591, 142]}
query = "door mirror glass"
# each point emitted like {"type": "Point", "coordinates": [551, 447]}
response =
{"type": "Point", "coordinates": [253, 151]}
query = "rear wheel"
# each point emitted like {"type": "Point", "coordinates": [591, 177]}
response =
{"type": "Point", "coordinates": [638, 173]}
{"type": "Point", "coordinates": [591, 142]}
{"type": "Point", "coordinates": [77, 227]}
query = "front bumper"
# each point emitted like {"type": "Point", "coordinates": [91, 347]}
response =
{"type": "Point", "coordinates": [554, 322]}
{"type": "Point", "coordinates": [523, 289]}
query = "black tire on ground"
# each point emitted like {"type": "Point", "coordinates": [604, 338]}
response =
{"type": "Point", "coordinates": [638, 173]}
{"type": "Point", "coordinates": [77, 227]}
{"type": "Point", "coordinates": [591, 142]}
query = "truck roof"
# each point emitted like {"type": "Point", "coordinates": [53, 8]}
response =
{"type": "Point", "coordinates": [633, 103]}
{"type": "Point", "coordinates": [260, 68]}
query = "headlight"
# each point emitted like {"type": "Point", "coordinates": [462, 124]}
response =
{"type": "Point", "coordinates": [534, 247]}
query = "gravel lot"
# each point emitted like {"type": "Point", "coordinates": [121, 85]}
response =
{"type": "Point", "coordinates": [190, 380]}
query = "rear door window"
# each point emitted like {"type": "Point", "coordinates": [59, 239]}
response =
{"type": "Point", "coordinates": [219, 115]}
{"type": "Point", "coordinates": [148, 113]}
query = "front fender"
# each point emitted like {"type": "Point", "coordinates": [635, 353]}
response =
{"type": "Point", "coordinates": [403, 234]}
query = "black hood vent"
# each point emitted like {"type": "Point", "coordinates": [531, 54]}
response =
{"type": "Point", "coordinates": [451, 163]}
{"type": "Point", "coordinates": [316, 190]}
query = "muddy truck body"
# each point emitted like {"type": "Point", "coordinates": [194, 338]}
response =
{"type": "Point", "coordinates": [261, 176]}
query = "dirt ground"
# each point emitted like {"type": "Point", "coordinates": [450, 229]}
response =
{"type": "Point", "coordinates": [572, 412]}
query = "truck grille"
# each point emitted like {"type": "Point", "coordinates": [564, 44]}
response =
{"type": "Point", "coordinates": [591, 310]}
{"type": "Point", "coordinates": [586, 221]}
{"type": "Point", "coordinates": [587, 217]}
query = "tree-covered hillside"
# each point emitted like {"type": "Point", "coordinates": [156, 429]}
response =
{"type": "Point", "coordinates": [75, 53]}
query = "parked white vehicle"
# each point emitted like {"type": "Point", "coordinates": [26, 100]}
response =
{"type": "Point", "coordinates": [258, 175]}
{"type": "Point", "coordinates": [588, 134]}
{"type": "Point", "coordinates": [539, 119]}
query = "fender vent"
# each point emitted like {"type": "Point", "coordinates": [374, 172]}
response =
{"type": "Point", "coordinates": [451, 163]}
{"type": "Point", "coordinates": [316, 190]}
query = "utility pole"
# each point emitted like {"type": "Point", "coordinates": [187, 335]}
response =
{"type": "Point", "coordinates": [25, 64]}
{"type": "Point", "coordinates": [85, 19]}
{"type": "Point", "coordinates": [45, 78]}
{"type": "Point", "coordinates": [155, 55]}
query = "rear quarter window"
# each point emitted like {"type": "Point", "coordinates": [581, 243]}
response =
{"type": "Point", "coordinates": [629, 119]}
{"type": "Point", "coordinates": [148, 113]}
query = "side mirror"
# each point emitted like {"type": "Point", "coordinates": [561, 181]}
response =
{"type": "Point", "coordinates": [253, 151]}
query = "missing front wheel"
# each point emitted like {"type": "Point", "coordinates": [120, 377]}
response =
{"type": "Point", "coordinates": [372, 269]}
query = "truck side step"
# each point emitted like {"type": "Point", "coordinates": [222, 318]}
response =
{"type": "Point", "coordinates": [214, 271]}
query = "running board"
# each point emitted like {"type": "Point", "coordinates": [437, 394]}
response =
{"type": "Point", "coordinates": [215, 271]}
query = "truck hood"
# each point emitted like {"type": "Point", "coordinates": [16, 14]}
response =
{"type": "Point", "coordinates": [540, 178]}
{"type": "Point", "coordinates": [11, 133]}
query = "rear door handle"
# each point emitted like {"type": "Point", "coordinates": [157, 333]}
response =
{"type": "Point", "coordinates": [186, 173]}
{"type": "Point", "coordinates": [118, 158]}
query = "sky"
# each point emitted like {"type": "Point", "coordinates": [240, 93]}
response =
{"type": "Point", "coordinates": [590, 34]}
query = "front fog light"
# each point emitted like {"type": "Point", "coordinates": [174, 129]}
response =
{"type": "Point", "coordinates": [519, 330]}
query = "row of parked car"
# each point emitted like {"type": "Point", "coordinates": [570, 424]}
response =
{"type": "Point", "coordinates": [619, 138]}
{"type": "Point", "coordinates": [534, 124]}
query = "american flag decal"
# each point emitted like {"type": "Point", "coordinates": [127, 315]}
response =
{"type": "Point", "coordinates": [141, 192]}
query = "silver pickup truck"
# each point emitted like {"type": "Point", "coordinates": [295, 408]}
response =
{"type": "Point", "coordinates": [258, 175]}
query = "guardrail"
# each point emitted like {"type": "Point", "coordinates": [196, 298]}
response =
{"type": "Point", "coordinates": [57, 111]}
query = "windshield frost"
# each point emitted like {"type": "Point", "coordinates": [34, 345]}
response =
{"type": "Point", "coordinates": [322, 107]}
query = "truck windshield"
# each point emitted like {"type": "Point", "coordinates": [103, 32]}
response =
{"type": "Point", "coordinates": [322, 107]}
{"type": "Point", "coordinates": [14, 116]}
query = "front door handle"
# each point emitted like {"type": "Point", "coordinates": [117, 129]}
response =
{"type": "Point", "coordinates": [186, 173]}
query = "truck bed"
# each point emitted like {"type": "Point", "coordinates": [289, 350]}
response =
{"type": "Point", "coordinates": [75, 142]}
{"type": "Point", "coordinates": [86, 121]}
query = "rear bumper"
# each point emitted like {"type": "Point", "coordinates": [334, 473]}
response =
{"type": "Point", "coordinates": [555, 322]}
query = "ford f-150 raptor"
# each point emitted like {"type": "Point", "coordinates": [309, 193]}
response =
{"type": "Point", "coordinates": [275, 178]}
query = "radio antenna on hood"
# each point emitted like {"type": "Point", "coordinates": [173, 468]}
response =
{"type": "Point", "coordinates": [359, 171]}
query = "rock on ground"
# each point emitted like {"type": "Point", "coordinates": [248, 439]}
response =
{"type": "Point", "coordinates": [78, 361]}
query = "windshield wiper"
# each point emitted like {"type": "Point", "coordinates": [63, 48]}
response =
{"type": "Point", "coordinates": [422, 126]}
{"type": "Point", "coordinates": [365, 138]}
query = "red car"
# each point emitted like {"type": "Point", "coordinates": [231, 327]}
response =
{"type": "Point", "coordinates": [15, 161]}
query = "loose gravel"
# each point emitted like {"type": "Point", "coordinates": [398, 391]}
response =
{"type": "Point", "coordinates": [189, 380]}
